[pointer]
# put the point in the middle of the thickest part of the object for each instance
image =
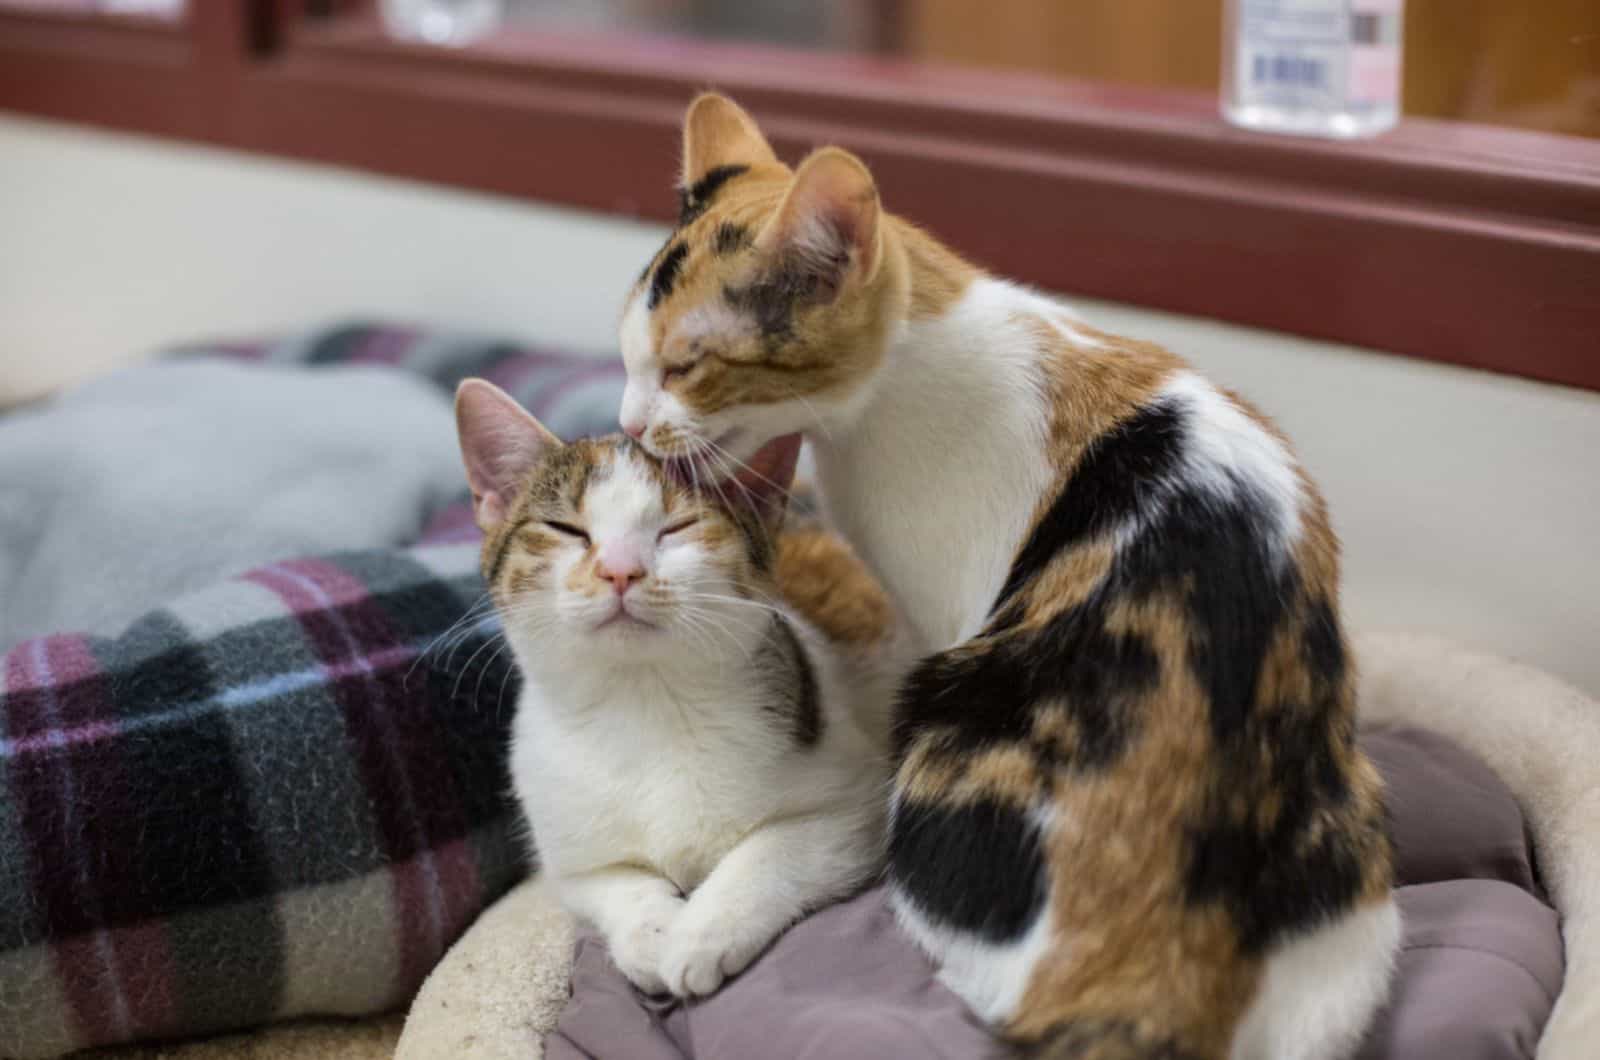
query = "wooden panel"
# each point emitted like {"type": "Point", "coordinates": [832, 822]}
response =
{"type": "Point", "coordinates": [1502, 62]}
{"type": "Point", "coordinates": [1146, 42]}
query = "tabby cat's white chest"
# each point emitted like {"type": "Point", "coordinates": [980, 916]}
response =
{"type": "Point", "coordinates": [644, 787]}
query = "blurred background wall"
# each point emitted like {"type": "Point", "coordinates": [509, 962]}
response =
{"type": "Point", "coordinates": [1467, 502]}
{"type": "Point", "coordinates": [116, 246]}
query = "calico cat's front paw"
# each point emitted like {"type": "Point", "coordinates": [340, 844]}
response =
{"type": "Point", "coordinates": [638, 947]}
{"type": "Point", "coordinates": [701, 952]}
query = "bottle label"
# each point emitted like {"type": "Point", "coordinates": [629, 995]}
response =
{"type": "Point", "coordinates": [1317, 54]}
{"type": "Point", "coordinates": [1375, 51]}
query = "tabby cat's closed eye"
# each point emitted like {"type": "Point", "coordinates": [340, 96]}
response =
{"type": "Point", "coordinates": [568, 529]}
{"type": "Point", "coordinates": [675, 528]}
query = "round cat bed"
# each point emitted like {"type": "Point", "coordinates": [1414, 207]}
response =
{"type": "Point", "coordinates": [1495, 806]}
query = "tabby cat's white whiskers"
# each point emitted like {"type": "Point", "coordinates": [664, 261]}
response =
{"type": "Point", "coordinates": [462, 627]}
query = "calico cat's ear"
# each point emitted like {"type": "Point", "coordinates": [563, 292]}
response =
{"type": "Point", "coordinates": [828, 224]}
{"type": "Point", "coordinates": [716, 133]}
{"type": "Point", "coordinates": [500, 443]}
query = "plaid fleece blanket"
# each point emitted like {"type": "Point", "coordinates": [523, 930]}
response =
{"type": "Point", "coordinates": [283, 794]}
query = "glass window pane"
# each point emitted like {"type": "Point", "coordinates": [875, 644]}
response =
{"type": "Point", "coordinates": [166, 9]}
{"type": "Point", "coordinates": [1534, 65]}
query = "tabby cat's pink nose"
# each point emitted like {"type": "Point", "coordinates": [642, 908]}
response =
{"type": "Point", "coordinates": [620, 571]}
{"type": "Point", "coordinates": [633, 428]}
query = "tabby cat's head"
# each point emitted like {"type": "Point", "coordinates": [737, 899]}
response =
{"type": "Point", "coordinates": [591, 549]}
{"type": "Point", "coordinates": [764, 314]}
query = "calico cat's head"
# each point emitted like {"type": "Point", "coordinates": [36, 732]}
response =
{"type": "Point", "coordinates": [591, 549]}
{"type": "Point", "coordinates": [767, 311]}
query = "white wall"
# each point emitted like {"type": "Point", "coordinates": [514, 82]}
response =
{"type": "Point", "coordinates": [1469, 504]}
{"type": "Point", "coordinates": [114, 246]}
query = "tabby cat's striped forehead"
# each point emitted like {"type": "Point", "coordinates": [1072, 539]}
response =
{"type": "Point", "coordinates": [612, 480]}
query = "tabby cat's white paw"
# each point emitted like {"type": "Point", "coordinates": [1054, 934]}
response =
{"type": "Point", "coordinates": [702, 952]}
{"type": "Point", "coordinates": [637, 950]}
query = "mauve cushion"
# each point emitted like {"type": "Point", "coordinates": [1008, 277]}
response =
{"type": "Point", "coordinates": [845, 984]}
{"type": "Point", "coordinates": [1479, 972]}
{"type": "Point", "coordinates": [1451, 816]}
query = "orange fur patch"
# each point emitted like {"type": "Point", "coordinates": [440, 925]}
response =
{"type": "Point", "coordinates": [819, 576]}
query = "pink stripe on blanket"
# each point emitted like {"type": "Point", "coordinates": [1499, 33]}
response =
{"type": "Point", "coordinates": [451, 526]}
{"type": "Point", "coordinates": [95, 731]}
{"type": "Point", "coordinates": [391, 730]}
{"type": "Point", "coordinates": [510, 373]}
{"type": "Point", "coordinates": [578, 377]}
{"type": "Point", "coordinates": [387, 345]}
{"type": "Point", "coordinates": [243, 350]}
{"type": "Point", "coordinates": [119, 983]}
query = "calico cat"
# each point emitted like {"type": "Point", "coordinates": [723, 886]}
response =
{"type": "Point", "coordinates": [1129, 817]}
{"type": "Point", "coordinates": [700, 743]}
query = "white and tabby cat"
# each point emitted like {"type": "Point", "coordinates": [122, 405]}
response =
{"type": "Point", "coordinates": [700, 739]}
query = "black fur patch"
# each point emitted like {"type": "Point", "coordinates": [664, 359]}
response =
{"type": "Point", "coordinates": [1118, 476]}
{"type": "Point", "coordinates": [1215, 552]}
{"type": "Point", "coordinates": [794, 685]}
{"type": "Point", "coordinates": [988, 692]}
{"type": "Point", "coordinates": [978, 868]}
{"type": "Point", "coordinates": [696, 199]}
{"type": "Point", "coordinates": [1212, 550]}
{"type": "Point", "coordinates": [1269, 885]}
{"type": "Point", "coordinates": [666, 274]}
{"type": "Point", "coordinates": [730, 238]}
{"type": "Point", "coordinates": [1324, 644]}
{"type": "Point", "coordinates": [772, 298]}
{"type": "Point", "coordinates": [1279, 880]}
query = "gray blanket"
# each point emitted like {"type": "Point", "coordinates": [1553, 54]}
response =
{"type": "Point", "coordinates": [165, 477]}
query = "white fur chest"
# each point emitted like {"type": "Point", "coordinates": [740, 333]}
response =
{"type": "Point", "coordinates": [642, 783]}
{"type": "Point", "coordinates": [937, 482]}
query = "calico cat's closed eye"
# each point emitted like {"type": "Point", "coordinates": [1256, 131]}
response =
{"type": "Point", "coordinates": [568, 529]}
{"type": "Point", "coordinates": [682, 524]}
{"type": "Point", "coordinates": [669, 372]}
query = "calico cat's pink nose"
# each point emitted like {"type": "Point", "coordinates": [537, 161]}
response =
{"type": "Point", "coordinates": [633, 428]}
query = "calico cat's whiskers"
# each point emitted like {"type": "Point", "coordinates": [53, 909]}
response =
{"type": "Point", "coordinates": [816, 417]}
{"type": "Point", "coordinates": [727, 468]}
{"type": "Point", "coordinates": [726, 459]}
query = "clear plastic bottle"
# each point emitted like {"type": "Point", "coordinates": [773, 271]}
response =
{"type": "Point", "coordinates": [1312, 67]}
{"type": "Point", "coordinates": [442, 21]}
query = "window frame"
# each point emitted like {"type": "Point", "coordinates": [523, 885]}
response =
{"type": "Point", "coordinates": [1452, 242]}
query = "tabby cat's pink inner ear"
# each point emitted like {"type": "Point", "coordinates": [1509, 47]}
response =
{"type": "Point", "coordinates": [830, 218]}
{"type": "Point", "coordinates": [717, 132]}
{"type": "Point", "coordinates": [500, 444]}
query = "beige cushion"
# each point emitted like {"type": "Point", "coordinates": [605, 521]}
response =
{"type": "Point", "coordinates": [501, 987]}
